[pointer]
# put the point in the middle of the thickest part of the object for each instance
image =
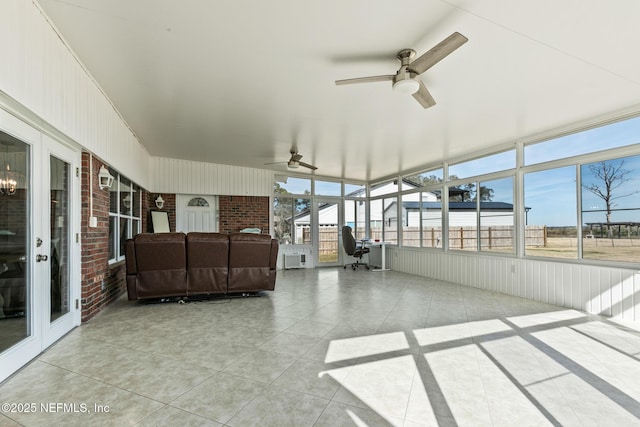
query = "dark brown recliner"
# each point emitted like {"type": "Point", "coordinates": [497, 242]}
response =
{"type": "Point", "coordinates": [174, 265]}
{"type": "Point", "coordinates": [156, 265]}
{"type": "Point", "coordinates": [207, 263]}
{"type": "Point", "coordinates": [249, 262]}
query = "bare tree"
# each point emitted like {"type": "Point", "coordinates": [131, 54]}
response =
{"type": "Point", "coordinates": [610, 177]}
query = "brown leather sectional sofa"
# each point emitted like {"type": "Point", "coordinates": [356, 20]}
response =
{"type": "Point", "coordinates": [167, 265]}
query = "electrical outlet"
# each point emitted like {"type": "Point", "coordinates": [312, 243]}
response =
{"type": "Point", "coordinates": [93, 221]}
{"type": "Point", "coordinates": [513, 268]}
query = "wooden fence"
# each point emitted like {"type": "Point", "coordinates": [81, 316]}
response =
{"type": "Point", "coordinates": [495, 237]}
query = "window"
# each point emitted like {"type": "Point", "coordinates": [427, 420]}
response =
{"type": "Point", "coordinates": [354, 217]}
{"type": "Point", "coordinates": [198, 202]}
{"type": "Point", "coordinates": [431, 211]}
{"type": "Point", "coordinates": [497, 232]}
{"type": "Point", "coordinates": [611, 209]}
{"type": "Point", "coordinates": [355, 190]}
{"type": "Point", "coordinates": [550, 213]}
{"type": "Point", "coordinates": [410, 211]}
{"type": "Point", "coordinates": [390, 220]}
{"type": "Point", "coordinates": [328, 188]}
{"type": "Point", "coordinates": [619, 134]}
{"type": "Point", "coordinates": [463, 217]}
{"type": "Point", "coordinates": [124, 214]}
{"type": "Point", "coordinates": [493, 163]}
{"type": "Point", "coordinates": [291, 185]}
{"type": "Point", "coordinates": [292, 220]}
{"type": "Point", "coordinates": [375, 219]}
{"type": "Point", "coordinates": [384, 188]}
{"type": "Point", "coordinates": [423, 179]}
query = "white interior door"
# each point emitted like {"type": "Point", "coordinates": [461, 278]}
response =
{"type": "Point", "coordinates": [196, 213]}
{"type": "Point", "coordinates": [39, 255]}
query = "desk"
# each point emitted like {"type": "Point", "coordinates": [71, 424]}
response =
{"type": "Point", "coordinates": [378, 255]}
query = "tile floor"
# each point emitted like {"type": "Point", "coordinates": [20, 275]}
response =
{"type": "Point", "coordinates": [334, 347]}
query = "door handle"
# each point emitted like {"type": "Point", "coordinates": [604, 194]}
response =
{"type": "Point", "coordinates": [41, 258]}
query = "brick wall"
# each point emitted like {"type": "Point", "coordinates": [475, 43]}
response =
{"type": "Point", "coordinates": [238, 212]}
{"type": "Point", "coordinates": [101, 283]}
{"type": "Point", "coordinates": [149, 204]}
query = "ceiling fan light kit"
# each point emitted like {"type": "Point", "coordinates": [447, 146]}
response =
{"type": "Point", "coordinates": [406, 87]}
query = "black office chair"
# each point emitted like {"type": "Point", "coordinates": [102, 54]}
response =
{"type": "Point", "coordinates": [353, 248]}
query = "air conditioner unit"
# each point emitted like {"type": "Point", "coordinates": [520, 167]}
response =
{"type": "Point", "coordinates": [294, 261]}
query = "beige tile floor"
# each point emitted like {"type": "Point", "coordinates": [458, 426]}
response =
{"type": "Point", "coordinates": [334, 347]}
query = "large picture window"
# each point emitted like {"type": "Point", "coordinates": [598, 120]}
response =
{"type": "Point", "coordinates": [611, 209]}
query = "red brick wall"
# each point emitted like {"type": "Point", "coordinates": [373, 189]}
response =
{"type": "Point", "coordinates": [169, 207]}
{"type": "Point", "coordinates": [238, 212]}
{"type": "Point", "coordinates": [101, 283]}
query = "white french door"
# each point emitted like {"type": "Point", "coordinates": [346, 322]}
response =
{"type": "Point", "coordinates": [39, 251]}
{"type": "Point", "coordinates": [58, 256]}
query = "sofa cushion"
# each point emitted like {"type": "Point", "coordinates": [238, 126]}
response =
{"type": "Point", "coordinates": [207, 263]}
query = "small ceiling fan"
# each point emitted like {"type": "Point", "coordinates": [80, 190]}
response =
{"type": "Point", "coordinates": [294, 161]}
{"type": "Point", "coordinates": [407, 79]}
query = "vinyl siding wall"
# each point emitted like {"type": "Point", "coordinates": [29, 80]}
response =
{"type": "Point", "coordinates": [599, 290]}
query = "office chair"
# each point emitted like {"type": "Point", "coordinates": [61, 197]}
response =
{"type": "Point", "coordinates": [353, 248]}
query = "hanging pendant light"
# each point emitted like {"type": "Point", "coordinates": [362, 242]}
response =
{"type": "Point", "coordinates": [8, 183]}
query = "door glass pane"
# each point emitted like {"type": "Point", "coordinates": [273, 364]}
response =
{"type": "Point", "coordinates": [14, 232]}
{"type": "Point", "coordinates": [59, 222]}
{"type": "Point", "coordinates": [302, 222]}
{"type": "Point", "coordinates": [328, 234]}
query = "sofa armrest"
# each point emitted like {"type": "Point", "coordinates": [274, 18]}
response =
{"type": "Point", "coordinates": [273, 259]}
{"type": "Point", "coordinates": [130, 256]}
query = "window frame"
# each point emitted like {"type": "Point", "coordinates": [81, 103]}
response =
{"type": "Point", "coordinates": [116, 216]}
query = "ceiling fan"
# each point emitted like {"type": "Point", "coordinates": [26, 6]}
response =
{"type": "Point", "coordinates": [294, 161]}
{"type": "Point", "coordinates": [407, 79]}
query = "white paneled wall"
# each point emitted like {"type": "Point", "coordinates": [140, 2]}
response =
{"type": "Point", "coordinates": [40, 73]}
{"type": "Point", "coordinates": [599, 290]}
{"type": "Point", "coordinates": [183, 176]}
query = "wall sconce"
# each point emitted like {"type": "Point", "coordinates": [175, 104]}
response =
{"type": "Point", "coordinates": [105, 179]}
{"type": "Point", "coordinates": [159, 202]}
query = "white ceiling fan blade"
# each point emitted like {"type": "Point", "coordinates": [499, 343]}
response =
{"type": "Point", "coordinates": [365, 80]}
{"type": "Point", "coordinates": [437, 53]}
{"type": "Point", "coordinates": [423, 96]}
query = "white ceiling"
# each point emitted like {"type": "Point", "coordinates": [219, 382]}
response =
{"type": "Point", "coordinates": [240, 82]}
